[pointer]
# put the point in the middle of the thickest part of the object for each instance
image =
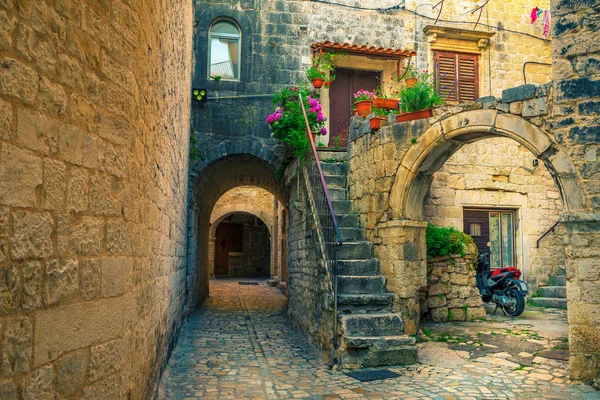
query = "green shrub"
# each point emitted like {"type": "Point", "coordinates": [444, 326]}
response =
{"type": "Point", "coordinates": [446, 241]}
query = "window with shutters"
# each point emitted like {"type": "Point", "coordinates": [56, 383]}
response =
{"type": "Point", "coordinates": [457, 76]}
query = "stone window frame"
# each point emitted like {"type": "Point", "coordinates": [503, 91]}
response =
{"type": "Point", "coordinates": [465, 41]}
{"type": "Point", "coordinates": [204, 19]}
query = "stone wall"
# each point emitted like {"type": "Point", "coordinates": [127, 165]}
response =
{"type": "Point", "coordinates": [451, 293]}
{"type": "Point", "coordinates": [94, 105]}
{"type": "Point", "coordinates": [310, 304]}
{"type": "Point", "coordinates": [276, 35]}
{"type": "Point", "coordinates": [257, 251]}
{"type": "Point", "coordinates": [576, 76]}
{"type": "Point", "coordinates": [501, 173]}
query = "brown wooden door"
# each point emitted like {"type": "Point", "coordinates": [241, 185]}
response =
{"type": "Point", "coordinates": [229, 239]}
{"type": "Point", "coordinates": [348, 82]}
{"type": "Point", "coordinates": [477, 224]}
{"type": "Point", "coordinates": [496, 227]}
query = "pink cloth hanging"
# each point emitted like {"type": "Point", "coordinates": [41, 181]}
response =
{"type": "Point", "coordinates": [534, 14]}
{"type": "Point", "coordinates": [546, 24]}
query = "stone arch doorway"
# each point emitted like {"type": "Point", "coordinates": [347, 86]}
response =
{"type": "Point", "coordinates": [413, 179]}
{"type": "Point", "coordinates": [213, 179]}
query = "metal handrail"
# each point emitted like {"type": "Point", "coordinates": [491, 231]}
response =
{"type": "Point", "coordinates": [327, 223]}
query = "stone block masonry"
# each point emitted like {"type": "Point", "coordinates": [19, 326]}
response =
{"type": "Point", "coordinates": [451, 293]}
{"type": "Point", "coordinates": [94, 125]}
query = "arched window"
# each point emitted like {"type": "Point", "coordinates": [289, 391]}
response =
{"type": "Point", "coordinates": [224, 50]}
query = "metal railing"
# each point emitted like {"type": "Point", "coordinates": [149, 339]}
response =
{"type": "Point", "coordinates": [322, 209]}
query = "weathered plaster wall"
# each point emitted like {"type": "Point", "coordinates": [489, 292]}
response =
{"type": "Point", "coordinates": [94, 105]}
{"type": "Point", "coordinates": [576, 76]}
{"type": "Point", "coordinates": [500, 173]}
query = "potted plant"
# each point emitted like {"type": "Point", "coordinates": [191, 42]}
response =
{"type": "Point", "coordinates": [363, 102]}
{"type": "Point", "coordinates": [321, 72]}
{"type": "Point", "coordinates": [411, 76]}
{"type": "Point", "coordinates": [287, 121]}
{"type": "Point", "coordinates": [383, 99]}
{"type": "Point", "coordinates": [417, 101]}
{"type": "Point", "coordinates": [380, 115]}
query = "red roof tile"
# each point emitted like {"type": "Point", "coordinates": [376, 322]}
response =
{"type": "Point", "coordinates": [371, 51]}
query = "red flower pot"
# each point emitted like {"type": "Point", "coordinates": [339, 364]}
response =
{"type": "Point", "coordinates": [388, 104]}
{"type": "Point", "coordinates": [410, 82]}
{"type": "Point", "coordinates": [363, 108]}
{"type": "Point", "coordinates": [414, 115]}
{"type": "Point", "coordinates": [376, 122]}
{"type": "Point", "coordinates": [318, 83]}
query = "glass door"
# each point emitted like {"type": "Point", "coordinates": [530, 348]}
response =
{"type": "Point", "coordinates": [502, 239]}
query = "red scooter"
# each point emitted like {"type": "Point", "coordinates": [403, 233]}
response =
{"type": "Point", "coordinates": [501, 286]}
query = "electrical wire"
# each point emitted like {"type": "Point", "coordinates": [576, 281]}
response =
{"type": "Point", "coordinates": [401, 7]}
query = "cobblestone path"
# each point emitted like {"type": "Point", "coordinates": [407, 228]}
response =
{"type": "Point", "coordinates": [240, 346]}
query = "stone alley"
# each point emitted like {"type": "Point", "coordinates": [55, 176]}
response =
{"type": "Point", "coordinates": [240, 345]}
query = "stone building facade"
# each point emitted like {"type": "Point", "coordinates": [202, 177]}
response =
{"type": "Point", "coordinates": [94, 127]}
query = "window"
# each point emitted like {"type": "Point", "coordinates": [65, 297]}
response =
{"type": "Point", "coordinates": [475, 229]}
{"type": "Point", "coordinates": [457, 76]}
{"type": "Point", "coordinates": [224, 50]}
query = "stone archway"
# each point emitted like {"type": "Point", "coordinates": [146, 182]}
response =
{"type": "Point", "coordinates": [445, 137]}
{"type": "Point", "coordinates": [212, 179]}
{"type": "Point", "coordinates": [411, 152]}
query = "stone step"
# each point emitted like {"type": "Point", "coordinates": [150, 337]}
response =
{"type": "Point", "coordinates": [361, 342]}
{"type": "Point", "coordinates": [352, 234]}
{"type": "Point", "coordinates": [337, 194]}
{"type": "Point", "coordinates": [358, 267]}
{"type": "Point", "coordinates": [365, 302]}
{"type": "Point", "coordinates": [334, 168]}
{"type": "Point", "coordinates": [376, 324]}
{"type": "Point", "coordinates": [347, 220]}
{"type": "Point", "coordinates": [550, 302]}
{"type": "Point", "coordinates": [374, 357]}
{"type": "Point", "coordinates": [335, 181]}
{"type": "Point", "coordinates": [553, 291]}
{"type": "Point", "coordinates": [332, 155]}
{"type": "Point", "coordinates": [361, 284]}
{"type": "Point", "coordinates": [355, 251]}
{"type": "Point", "coordinates": [560, 280]}
{"type": "Point", "coordinates": [341, 206]}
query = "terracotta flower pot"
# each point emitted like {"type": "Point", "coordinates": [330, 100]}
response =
{"type": "Point", "coordinates": [318, 83]}
{"type": "Point", "coordinates": [388, 104]}
{"type": "Point", "coordinates": [376, 122]}
{"type": "Point", "coordinates": [410, 82]}
{"type": "Point", "coordinates": [363, 108]}
{"type": "Point", "coordinates": [414, 115]}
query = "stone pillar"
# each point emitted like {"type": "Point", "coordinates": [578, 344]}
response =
{"type": "Point", "coordinates": [583, 294]}
{"type": "Point", "coordinates": [211, 255]}
{"type": "Point", "coordinates": [400, 247]}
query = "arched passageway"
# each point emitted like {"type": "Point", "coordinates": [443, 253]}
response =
{"type": "Point", "coordinates": [240, 174]}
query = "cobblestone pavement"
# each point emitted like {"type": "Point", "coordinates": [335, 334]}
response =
{"type": "Point", "coordinates": [241, 346]}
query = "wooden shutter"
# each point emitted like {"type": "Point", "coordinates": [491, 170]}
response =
{"type": "Point", "coordinates": [445, 75]}
{"type": "Point", "coordinates": [457, 76]}
{"type": "Point", "coordinates": [468, 77]}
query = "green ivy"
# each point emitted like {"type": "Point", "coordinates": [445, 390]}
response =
{"type": "Point", "coordinates": [446, 241]}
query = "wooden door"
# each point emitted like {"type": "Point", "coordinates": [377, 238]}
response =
{"type": "Point", "coordinates": [229, 239]}
{"type": "Point", "coordinates": [348, 82]}
{"type": "Point", "coordinates": [494, 227]}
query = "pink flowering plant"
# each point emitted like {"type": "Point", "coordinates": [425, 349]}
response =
{"type": "Point", "coordinates": [287, 121]}
{"type": "Point", "coordinates": [363, 95]}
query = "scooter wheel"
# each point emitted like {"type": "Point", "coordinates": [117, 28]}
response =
{"type": "Point", "coordinates": [518, 306]}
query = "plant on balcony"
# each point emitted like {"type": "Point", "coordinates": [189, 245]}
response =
{"type": "Point", "coordinates": [379, 115]}
{"type": "Point", "coordinates": [321, 72]}
{"type": "Point", "coordinates": [411, 76]}
{"type": "Point", "coordinates": [287, 121]}
{"type": "Point", "coordinates": [363, 102]}
{"type": "Point", "coordinates": [386, 98]}
{"type": "Point", "coordinates": [417, 101]}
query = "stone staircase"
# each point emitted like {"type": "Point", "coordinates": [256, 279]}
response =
{"type": "Point", "coordinates": [371, 334]}
{"type": "Point", "coordinates": [554, 296]}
